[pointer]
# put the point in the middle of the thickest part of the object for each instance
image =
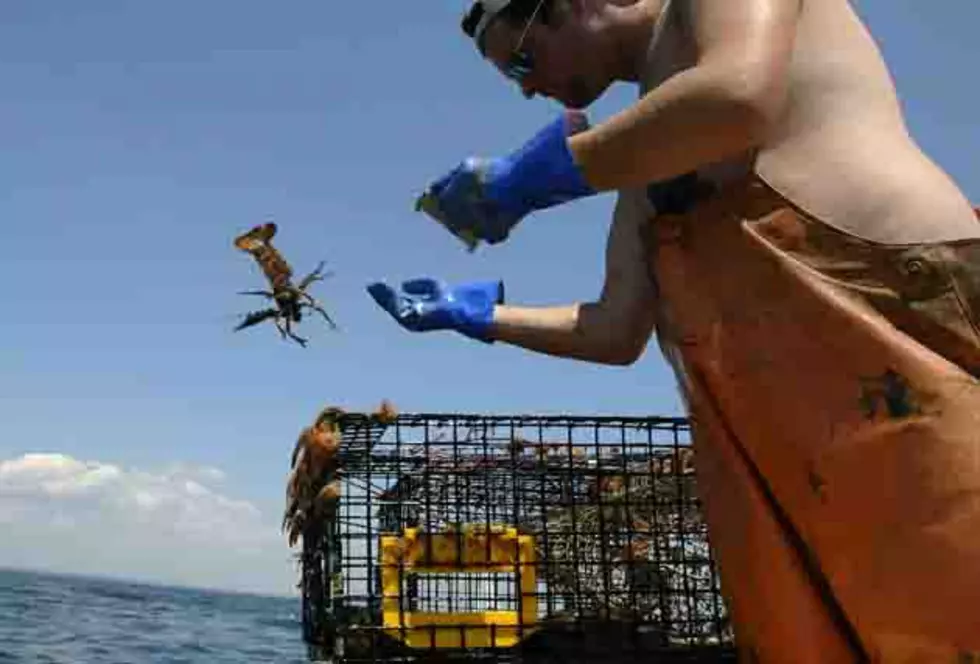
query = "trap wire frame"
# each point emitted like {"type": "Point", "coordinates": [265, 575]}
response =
{"type": "Point", "coordinates": [513, 537]}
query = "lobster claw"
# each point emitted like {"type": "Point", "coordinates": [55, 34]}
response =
{"type": "Point", "coordinates": [256, 317]}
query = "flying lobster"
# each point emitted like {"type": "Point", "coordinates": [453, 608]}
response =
{"type": "Point", "coordinates": [290, 299]}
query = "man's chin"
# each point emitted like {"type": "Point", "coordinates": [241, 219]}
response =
{"type": "Point", "coordinates": [573, 103]}
{"type": "Point", "coordinates": [573, 100]}
{"type": "Point", "coordinates": [580, 98]}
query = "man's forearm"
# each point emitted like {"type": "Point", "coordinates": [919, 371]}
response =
{"type": "Point", "coordinates": [576, 331]}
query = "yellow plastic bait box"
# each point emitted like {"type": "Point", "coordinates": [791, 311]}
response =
{"type": "Point", "coordinates": [471, 549]}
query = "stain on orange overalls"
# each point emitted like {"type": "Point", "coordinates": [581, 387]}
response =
{"type": "Point", "coordinates": [834, 390]}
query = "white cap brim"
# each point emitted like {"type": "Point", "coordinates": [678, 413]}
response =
{"type": "Point", "coordinates": [490, 10]}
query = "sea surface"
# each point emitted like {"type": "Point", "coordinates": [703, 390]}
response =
{"type": "Point", "coordinates": [54, 619]}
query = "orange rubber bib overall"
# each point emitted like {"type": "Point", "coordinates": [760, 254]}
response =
{"type": "Point", "coordinates": [834, 389]}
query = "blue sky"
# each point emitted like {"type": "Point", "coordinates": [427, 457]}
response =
{"type": "Point", "coordinates": [137, 138]}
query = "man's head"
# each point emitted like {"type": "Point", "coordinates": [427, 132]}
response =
{"type": "Point", "coordinates": [557, 48]}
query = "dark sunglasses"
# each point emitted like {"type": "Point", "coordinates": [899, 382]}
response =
{"type": "Point", "coordinates": [519, 65]}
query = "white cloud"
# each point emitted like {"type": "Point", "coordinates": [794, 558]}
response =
{"type": "Point", "coordinates": [175, 526]}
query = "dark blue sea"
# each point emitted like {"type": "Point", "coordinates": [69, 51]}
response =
{"type": "Point", "coordinates": [53, 619]}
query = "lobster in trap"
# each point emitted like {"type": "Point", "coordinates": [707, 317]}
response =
{"type": "Point", "coordinates": [509, 537]}
{"type": "Point", "coordinates": [289, 299]}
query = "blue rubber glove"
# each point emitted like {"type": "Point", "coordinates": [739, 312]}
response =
{"type": "Point", "coordinates": [425, 304]}
{"type": "Point", "coordinates": [483, 199]}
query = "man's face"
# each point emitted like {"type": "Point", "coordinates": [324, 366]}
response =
{"type": "Point", "coordinates": [560, 59]}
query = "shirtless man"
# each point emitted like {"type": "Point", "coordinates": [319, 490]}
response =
{"type": "Point", "coordinates": [812, 277]}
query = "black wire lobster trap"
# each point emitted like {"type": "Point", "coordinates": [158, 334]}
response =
{"type": "Point", "coordinates": [513, 538]}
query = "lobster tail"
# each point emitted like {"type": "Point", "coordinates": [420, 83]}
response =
{"type": "Point", "coordinates": [256, 237]}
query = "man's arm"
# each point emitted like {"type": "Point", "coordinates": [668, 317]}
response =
{"type": "Point", "coordinates": [717, 109]}
{"type": "Point", "coordinates": [612, 330]}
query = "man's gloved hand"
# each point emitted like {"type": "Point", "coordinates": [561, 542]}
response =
{"type": "Point", "coordinates": [483, 199]}
{"type": "Point", "coordinates": [427, 304]}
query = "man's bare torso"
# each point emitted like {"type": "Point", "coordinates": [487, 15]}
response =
{"type": "Point", "coordinates": [841, 150]}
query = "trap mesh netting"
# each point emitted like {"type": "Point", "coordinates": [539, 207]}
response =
{"type": "Point", "coordinates": [514, 538]}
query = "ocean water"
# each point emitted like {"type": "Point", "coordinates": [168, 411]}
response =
{"type": "Point", "coordinates": [54, 619]}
